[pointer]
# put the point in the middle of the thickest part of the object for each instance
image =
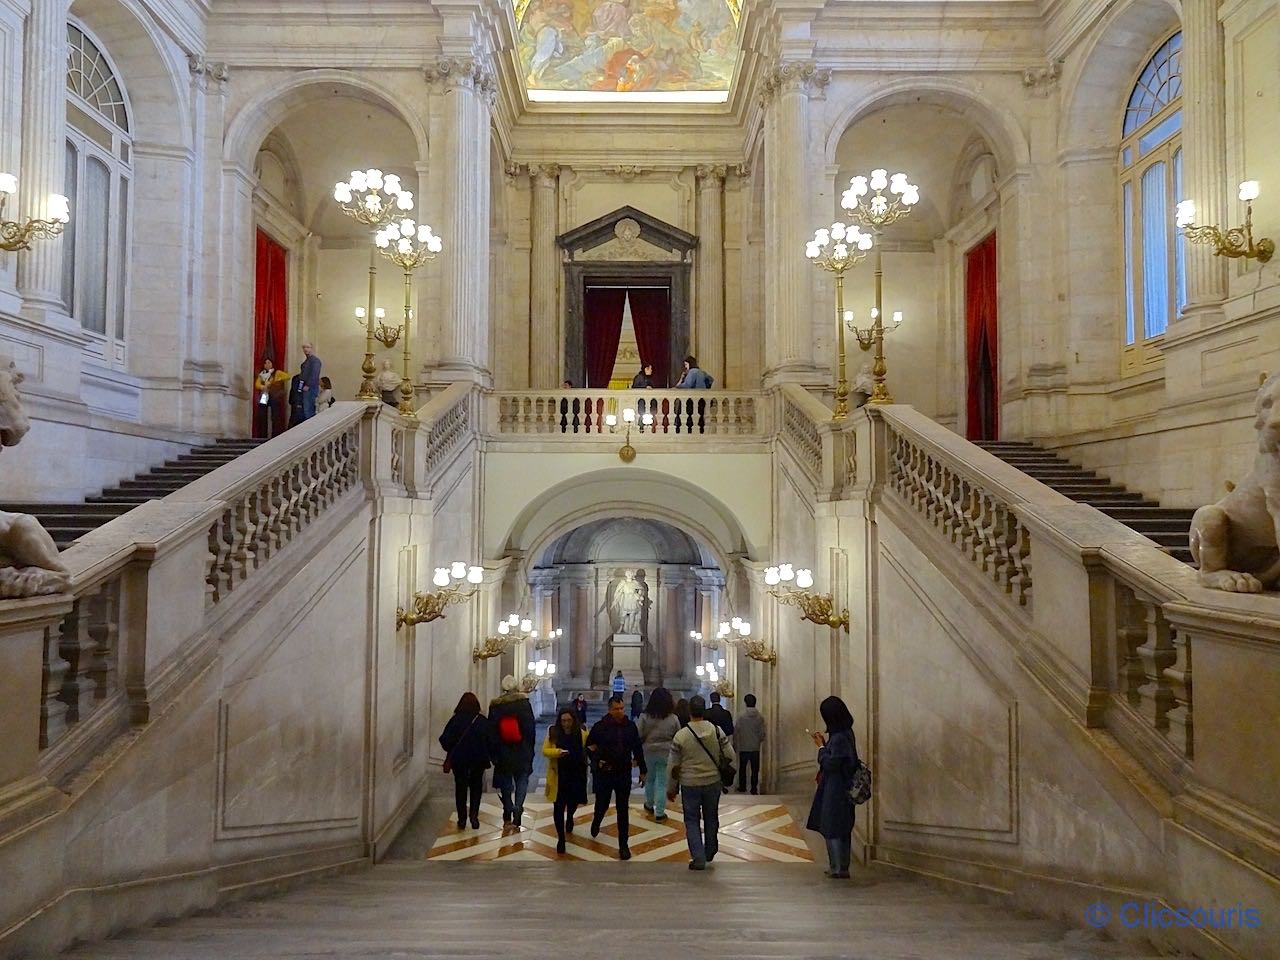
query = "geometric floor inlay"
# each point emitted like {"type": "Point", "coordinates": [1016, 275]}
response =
{"type": "Point", "coordinates": [755, 829]}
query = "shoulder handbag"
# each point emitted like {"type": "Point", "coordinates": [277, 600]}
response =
{"type": "Point", "coordinates": [860, 785]}
{"type": "Point", "coordinates": [727, 770]}
{"type": "Point", "coordinates": [448, 757]}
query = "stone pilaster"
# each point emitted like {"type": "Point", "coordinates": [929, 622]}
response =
{"type": "Point", "coordinates": [544, 275]}
{"type": "Point", "coordinates": [466, 88]}
{"type": "Point", "coordinates": [1204, 149]}
{"type": "Point", "coordinates": [787, 89]}
{"type": "Point", "coordinates": [44, 112]}
{"type": "Point", "coordinates": [708, 336]}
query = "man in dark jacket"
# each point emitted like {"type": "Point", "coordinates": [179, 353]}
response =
{"type": "Point", "coordinates": [511, 743]}
{"type": "Point", "coordinates": [310, 380]}
{"type": "Point", "coordinates": [613, 744]}
{"type": "Point", "coordinates": [720, 716]}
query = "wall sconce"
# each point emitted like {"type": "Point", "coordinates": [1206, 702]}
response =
{"type": "Point", "coordinates": [817, 608]}
{"type": "Point", "coordinates": [538, 671]}
{"type": "Point", "coordinates": [627, 453]}
{"type": "Point", "coordinates": [431, 606]}
{"type": "Point", "coordinates": [866, 337]}
{"type": "Point", "coordinates": [15, 235]}
{"type": "Point", "coordinates": [754, 647]}
{"type": "Point", "coordinates": [1235, 242]}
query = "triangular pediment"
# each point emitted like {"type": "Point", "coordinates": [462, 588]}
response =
{"type": "Point", "coordinates": [627, 234]}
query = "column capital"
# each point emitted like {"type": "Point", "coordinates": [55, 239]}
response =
{"type": "Point", "coordinates": [1041, 81]}
{"type": "Point", "coordinates": [797, 76]}
{"type": "Point", "coordinates": [715, 173]}
{"type": "Point", "coordinates": [544, 174]}
{"type": "Point", "coordinates": [462, 73]}
{"type": "Point", "coordinates": [205, 71]}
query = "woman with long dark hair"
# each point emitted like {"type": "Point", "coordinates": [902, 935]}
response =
{"type": "Point", "coordinates": [566, 755]}
{"type": "Point", "coordinates": [658, 725]}
{"type": "Point", "coordinates": [466, 743]}
{"type": "Point", "coordinates": [682, 711]}
{"type": "Point", "coordinates": [832, 812]}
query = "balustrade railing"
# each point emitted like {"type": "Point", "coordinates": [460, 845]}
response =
{"type": "Point", "coordinates": [80, 660]}
{"type": "Point", "coordinates": [584, 413]}
{"type": "Point", "coordinates": [801, 414]}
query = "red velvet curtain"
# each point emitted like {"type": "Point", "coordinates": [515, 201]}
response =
{"type": "Point", "coordinates": [602, 328]}
{"type": "Point", "coordinates": [651, 315]}
{"type": "Point", "coordinates": [270, 315]}
{"type": "Point", "coordinates": [982, 420]}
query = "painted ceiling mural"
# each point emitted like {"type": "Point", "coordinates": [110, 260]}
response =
{"type": "Point", "coordinates": [628, 49]}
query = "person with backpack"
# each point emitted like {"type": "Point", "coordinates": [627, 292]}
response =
{"type": "Point", "coordinates": [566, 751]}
{"type": "Point", "coordinates": [613, 744]}
{"type": "Point", "coordinates": [466, 744]}
{"type": "Point", "coordinates": [512, 730]}
{"type": "Point", "coordinates": [832, 812]}
{"type": "Point", "coordinates": [701, 767]}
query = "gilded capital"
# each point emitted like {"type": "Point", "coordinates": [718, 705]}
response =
{"type": "Point", "coordinates": [462, 73]}
{"type": "Point", "coordinates": [797, 76]}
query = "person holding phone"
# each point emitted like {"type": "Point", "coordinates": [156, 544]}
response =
{"type": "Point", "coordinates": [832, 812]}
{"type": "Point", "coordinates": [566, 753]}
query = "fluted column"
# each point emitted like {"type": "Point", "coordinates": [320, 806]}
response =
{"type": "Point", "coordinates": [466, 87]}
{"type": "Point", "coordinates": [708, 337]}
{"type": "Point", "coordinates": [1204, 148]}
{"type": "Point", "coordinates": [44, 112]}
{"type": "Point", "coordinates": [788, 192]}
{"type": "Point", "coordinates": [544, 266]}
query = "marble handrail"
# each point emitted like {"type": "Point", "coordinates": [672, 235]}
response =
{"type": "Point", "coordinates": [803, 419]}
{"type": "Point", "coordinates": [678, 414]}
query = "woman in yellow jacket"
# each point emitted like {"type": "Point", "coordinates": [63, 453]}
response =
{"type": "Point", "coordinates": [566, 753]}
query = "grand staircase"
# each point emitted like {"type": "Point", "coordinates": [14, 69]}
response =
{"type": "Point", "coordinates": [68, 522]}
{"type": "Point", "coordinates": [1167, 526]}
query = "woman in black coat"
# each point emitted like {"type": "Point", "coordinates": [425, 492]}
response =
{"type": "Point", "coordinates": [466, 743]}
{"type": "Point", "coordinates": [832, 812]}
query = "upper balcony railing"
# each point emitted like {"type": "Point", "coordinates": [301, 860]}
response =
{"type": "Point", "coordinates": [676, 414]}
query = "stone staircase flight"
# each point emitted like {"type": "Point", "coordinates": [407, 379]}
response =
{"type": "Point", "coordinates": [1167, 526]}
{"type": "Point", "coordinates": [68, 522]}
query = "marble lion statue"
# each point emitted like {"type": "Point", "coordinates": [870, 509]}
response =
{"type": "Point", "coordinates": [1234, 540]}
{"type": "Point", "coordinates": [29, 562]}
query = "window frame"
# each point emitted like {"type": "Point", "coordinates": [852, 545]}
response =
{"type": "Point", "coordinates": [1146, 352]}
{"type": "Point", "coordinates": [107, 347]}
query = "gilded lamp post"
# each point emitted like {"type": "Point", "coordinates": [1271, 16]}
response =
{"type": "Point", "coordinates": [865, 201]}
{"type": "Point", "coordinates": [836, 249]}
{"type": "Point", "coordinates": [410, 245]}
{"type": "Point", "coordinates": [374, 199]}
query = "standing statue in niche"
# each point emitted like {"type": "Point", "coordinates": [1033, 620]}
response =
{"type": "Point", "coordinates": [628, 603]}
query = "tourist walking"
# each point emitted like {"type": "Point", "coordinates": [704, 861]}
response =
{"type": "Point", "coordinates": [697, 753]}
{"type": "Point", "coordinates": [618, 686]}
{"type": "Point", "coordinates": [721, 717]}
{"type": "Point", "coordinates": [511, 734]}
{"type": "Point", "coordinates": [748, 736]}
{"type": "Point", "coordinates": [637, 703]}
{"type": "Point", "coordinates": [658, 725]}
{"type": "Point", "coordinates": [614, 743]}
{"type": "Point", "coordinates": [832, 812]}
{"type": "Point", "coordinates": [580, 705]}
{"type": "Point", "coordinates": [466, 755]}
{"type": "Point", "coordinates": [566, 753]}
{"type": "Point", "coordinates": [682, 711]}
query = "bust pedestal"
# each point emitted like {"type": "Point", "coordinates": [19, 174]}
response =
{"type": "Point", "coordinates": [626, 657]}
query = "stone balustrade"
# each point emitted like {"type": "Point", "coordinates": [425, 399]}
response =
{"type": "Point", "coordinates": [582, 414]}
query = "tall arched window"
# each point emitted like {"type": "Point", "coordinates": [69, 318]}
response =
{"type": "Point", "coordinates": [95, 261]}
{"type": "Point", "coordinates": [1150, 183]}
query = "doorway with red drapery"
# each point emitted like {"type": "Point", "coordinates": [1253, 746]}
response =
{"type": "Point", "coordinates": [981, 339]}
{"type": "Point", "coordinates": [603, 308]}
{"type": "Point", "coordinates": [270, 320]}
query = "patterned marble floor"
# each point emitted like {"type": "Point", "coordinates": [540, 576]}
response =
{"type": "Point", "coordinates": [752, 829]}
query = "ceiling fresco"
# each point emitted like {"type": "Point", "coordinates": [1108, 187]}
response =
{"type": "Point", "coordinates": [617, 50]}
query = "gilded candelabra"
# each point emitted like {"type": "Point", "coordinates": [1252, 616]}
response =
{"type": "Point", "coordinates": [724, 688]}
{"type": "Point", "coordinates": [754, 647]}
{"type": "Point", "coordinates": [1233, 242]}
{"type": "Point", "coordinates": [19, 234]}
{"type": "Point", "coordinates": [836, 249]}
{"type": "Point", "coordinates": [627, 453]}
{"type": "Point", "coordinates": [819, 608]}
{"type": "Point", "coordinates": [410, 245]}
{"type": "Point", "coordinates": [866, 202]}
{"type": "Point", "coordinates": [538, 671]}
{"type": "Point", "coordinates": [431, 606]}
{"type": "Point", "coordinates": [374, 199]}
